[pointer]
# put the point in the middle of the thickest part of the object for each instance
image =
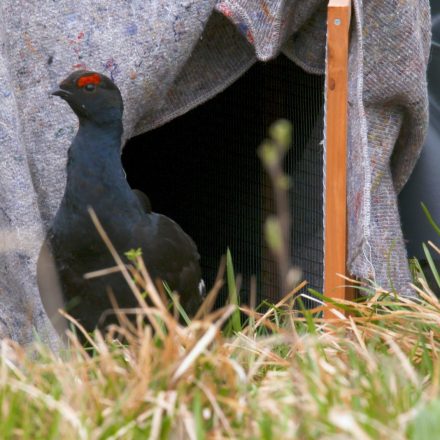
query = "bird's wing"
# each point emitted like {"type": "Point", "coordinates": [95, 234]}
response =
{"type": "Point", "coordinates": [171, 255]}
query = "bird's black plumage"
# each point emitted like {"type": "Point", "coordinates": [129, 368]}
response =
{"type": "Point", "coordinates": [95, 178]}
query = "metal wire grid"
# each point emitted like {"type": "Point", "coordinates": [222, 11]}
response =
{"type": "Point", "coordinates": [202, 170]}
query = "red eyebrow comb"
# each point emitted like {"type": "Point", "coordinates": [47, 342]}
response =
{"type": "Point", "coordinates": [94, 78]}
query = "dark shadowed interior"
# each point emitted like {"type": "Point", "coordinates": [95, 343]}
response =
{"type": "Point", "coordinates": [202, 170]}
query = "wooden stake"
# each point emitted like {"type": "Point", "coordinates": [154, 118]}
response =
{"type": "Point", "coordinates": [335, 240]}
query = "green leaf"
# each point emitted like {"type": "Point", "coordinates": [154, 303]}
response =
{"type": "Point", "coordinates": [268, 153]}
{"type": "Point", "coordinates": [273, 232]}
{"type": "Point", "coordinates": [426, 425]}
{"type": "Point", "coordinates": [180, 309]}
{"type": "Point", "coordinates": [416, 269]}
{"type": "Point", "coordinates": [430, 219]}
{"type": "Point", "coordinates": [233, 294]}
{"type": "Point", "coordinates": [133, 254]}
{"type": "Point", "coordinates": [431, 264]}
{"type": "Point", "coordinates": [283, 182]}
{"type": "Point", "coordinates": [198, 416]}
{"type": "Point", "coordinates": [281, 132]}
{"type": "Point", "coordinates": [266, 423]}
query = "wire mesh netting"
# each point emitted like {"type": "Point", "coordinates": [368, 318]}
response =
{"type": "Point", "coordinates": [202, 170]}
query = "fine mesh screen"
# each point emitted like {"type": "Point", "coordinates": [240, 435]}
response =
{"type": "Point", "coordinates": [202, 170]}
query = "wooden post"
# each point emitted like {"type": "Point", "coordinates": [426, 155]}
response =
{"type": "Point", "coordinates": [335, 238]}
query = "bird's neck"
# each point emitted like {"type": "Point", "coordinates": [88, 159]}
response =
{"type": "Point", "coordinates": [96, 179]}
{"type": "Point", "coordinates": [112, 130]}
{"type": "Point", "coordinates": [94, 162]}
{"type": "Point", "coordinates": [95, 146]}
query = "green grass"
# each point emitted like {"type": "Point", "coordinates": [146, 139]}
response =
{"type": "Point", "coordinates": [268, 373]}
{"type": "Point", "coordinates": [373, 375]}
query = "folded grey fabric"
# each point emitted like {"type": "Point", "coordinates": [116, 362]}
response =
{"type": "Point", "coordinates": [168, 56]}
{"type": "Point", "coordinates": [425, 179]}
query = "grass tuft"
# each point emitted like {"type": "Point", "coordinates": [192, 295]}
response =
{"type": "Point", "coordinates": [375, 374]}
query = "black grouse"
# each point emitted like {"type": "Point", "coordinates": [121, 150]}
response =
{"type": "Point", "coordinates": [95, 178]}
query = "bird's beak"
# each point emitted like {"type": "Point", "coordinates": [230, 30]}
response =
{"type": "Point", "coordinates": [62, 93]}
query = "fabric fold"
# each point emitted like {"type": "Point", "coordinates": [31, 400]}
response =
{"type": "Point", "coordinates": [169, 56]}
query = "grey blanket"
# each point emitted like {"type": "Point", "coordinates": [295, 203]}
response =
{"type": "Point", "coordinates": [168, 56]}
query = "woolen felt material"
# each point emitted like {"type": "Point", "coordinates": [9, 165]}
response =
{"type": "Point", "coordinates": [425, 179]}
{"type": "Point", "coordinates": [168, 56]}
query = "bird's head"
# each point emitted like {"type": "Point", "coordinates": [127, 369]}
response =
{"type": "Point", "coordinates": [92, 96]}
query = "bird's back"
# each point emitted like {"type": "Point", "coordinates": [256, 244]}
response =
{"type": "Point", "coordinates": [168, 252]}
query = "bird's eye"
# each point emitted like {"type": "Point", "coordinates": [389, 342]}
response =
{"type": "Point", "coordinates": [90, 87]}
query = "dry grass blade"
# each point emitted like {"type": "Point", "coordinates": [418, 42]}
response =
{"type": "Point", "coordinates": [150, 287]}
{"type": "Point", "coordinates": [209, 301]}
{"type": "Point", "coordinates": [117, 258]}
{"type": "Point", "coordinates": [101, 272]}
{"type": "Point", "coordinates": [123, 431]}
{"type": "Point", "coordinates": [218, 411]}
{"type": "Point", "coordinates": [121, 315]}
{"type": "Point", "coordinates": [156, 423]}
{"type": "Point", "coordinates": [406, 364]}
{"type": "Point", "coordinates": [188, 423]}
{"type": "Point", "coordinates": [427, 294]}
{"type": "Point", "coordinates": [201, 345]}
{"type": "Point", "coordinates": [365, 352]}
{"type": "Point", "coordinates": [346, 422]}
{"type": "Point", "coordinates": [436, 248]}
{"type": "Point", "coordinates": [79, 327]}
{"type": "Point", "coordinates": [280, 303]}
{"type": "Point", "coordinates": [351, 281]}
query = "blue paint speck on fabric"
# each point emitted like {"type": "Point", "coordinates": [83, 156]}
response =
{"type": "Point", "coordinates": [131, 29]}
{"type": "Point", "coordinates": [243, 28]}
{"type": "Point", "coordinates": [72, 17]}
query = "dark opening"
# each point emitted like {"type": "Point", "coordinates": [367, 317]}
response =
{"type": "Point", "coordinates": [202, 170]}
